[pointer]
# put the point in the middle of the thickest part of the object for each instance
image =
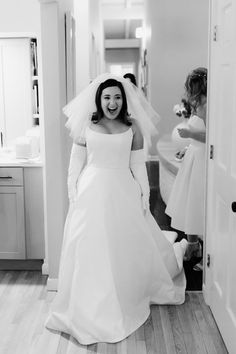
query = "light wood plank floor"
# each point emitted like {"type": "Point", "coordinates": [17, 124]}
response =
{"type": "Point", "coordinates": [25, 302]}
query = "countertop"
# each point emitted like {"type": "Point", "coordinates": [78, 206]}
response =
{"type": "Point", "coordinates": [9, 160]}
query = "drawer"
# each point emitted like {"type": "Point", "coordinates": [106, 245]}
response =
{"type": "Point", "coordinates": [11, 176]}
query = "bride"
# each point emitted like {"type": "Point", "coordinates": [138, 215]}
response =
{"type": "Point", "coordinates": [115, 260]}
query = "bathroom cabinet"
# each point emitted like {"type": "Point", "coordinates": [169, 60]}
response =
{"type": "Point", "coordinates": [12, 216]}
{"type": "Point", "coordinates": [21, 213]}
{"type": "Point", "coordinates": [19, 103]}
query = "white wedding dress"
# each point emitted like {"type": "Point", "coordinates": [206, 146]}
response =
{"type": "Point", "coordinates": [115, 261]}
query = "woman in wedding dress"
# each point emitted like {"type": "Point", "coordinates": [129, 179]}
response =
{"type": "Point", "coordinates": [115, 260]}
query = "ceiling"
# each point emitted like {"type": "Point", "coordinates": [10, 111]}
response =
{"type": "Point", "coordinates": [121, 18]}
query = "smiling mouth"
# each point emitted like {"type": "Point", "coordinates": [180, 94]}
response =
{"type": "Point", "coordinates": [111, 110]}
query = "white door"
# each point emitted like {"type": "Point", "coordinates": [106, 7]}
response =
{"type": "Point", "coordinates": [220, 274]}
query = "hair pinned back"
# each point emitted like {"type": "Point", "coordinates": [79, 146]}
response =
{"type": "Point", "coordinates": [196, 86]}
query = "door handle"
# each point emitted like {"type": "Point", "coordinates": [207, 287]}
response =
{"type": "Point", "coordinates": [233, 206]}
{"type": "Point", "coordinates": [5, 177]}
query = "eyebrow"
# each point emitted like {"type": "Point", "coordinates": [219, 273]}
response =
{"type": "Point", "coordinates": [108, 94]}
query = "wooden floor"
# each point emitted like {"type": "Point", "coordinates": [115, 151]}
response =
{"type": "Point", "coordinates": [25, 302]}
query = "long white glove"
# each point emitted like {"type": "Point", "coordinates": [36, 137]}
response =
{"type": "Point", "coordinates": [139, 171]}
{"type": "Point", "coordinates": [78, 158]}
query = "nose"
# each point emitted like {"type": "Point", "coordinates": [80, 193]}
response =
{"type": "Point", "coordinates": [112, 102]}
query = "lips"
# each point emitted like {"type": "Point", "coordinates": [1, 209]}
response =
{"type": "Point", "coordinates": [112, 110]}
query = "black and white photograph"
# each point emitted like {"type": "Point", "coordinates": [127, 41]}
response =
{"type": "Point", "coordinates": [117, 177]}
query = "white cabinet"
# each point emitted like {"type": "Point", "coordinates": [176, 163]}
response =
{"type": "Point", "coordinates": [34, 215]}
{"type": "Point", "coordinates": [12, 218]}
{"type": "Point", "coordinates": [18, 87]}
{"type": "Point", "coordinates": [15, 88]}
{"type": "Point", "coordinates": [21, 213]}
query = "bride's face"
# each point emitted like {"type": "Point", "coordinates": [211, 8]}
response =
{"type": "Point", "coordinates": [111, 102]}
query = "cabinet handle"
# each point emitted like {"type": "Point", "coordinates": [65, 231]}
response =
{"type": "Point", "coordinates": [5, 177]}
{"type": "Point", "coordinates": [233, 206]}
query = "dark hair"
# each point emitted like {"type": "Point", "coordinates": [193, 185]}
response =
{"type": "Point", "coordinates": [196, 86]}
{"type": "Point", "coordinates": [131, 77]}
{"type": "Point", "coordinates": [123, 115]}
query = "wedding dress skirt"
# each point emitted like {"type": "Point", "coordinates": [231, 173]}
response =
{"type": "Point", "coordinates": [115, 261]}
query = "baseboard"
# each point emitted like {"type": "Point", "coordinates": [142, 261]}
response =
{"type": "Point", "coordinates": [52, 284]}
{"type": "Point", "coordinates": [206, 294]}
{"type": "Point", "coordinates": [21, 264]}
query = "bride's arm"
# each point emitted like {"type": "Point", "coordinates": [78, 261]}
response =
{"type": "Point", "coordinates": [78, 158]}
{"type": "Point", "coordinates": [138, 166]}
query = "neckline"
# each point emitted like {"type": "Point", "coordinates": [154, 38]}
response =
{"type": "Point", "coordinates": [94, 131]}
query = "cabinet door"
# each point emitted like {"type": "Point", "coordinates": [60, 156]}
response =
{"type": "Point", "coordinates": [15, 88]}
{"type": "Point", "coordinates": [12, 221]}
{"type": "Point", "coordinates": [34, 213]}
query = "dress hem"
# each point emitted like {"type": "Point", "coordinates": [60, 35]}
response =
{"type": "Point", "coordinates": [93, 341]}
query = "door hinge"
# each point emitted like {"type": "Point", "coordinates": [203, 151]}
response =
{"type": "Point", "coordinates": [208, 260]}
{"type": "Point", "coordinates": [211, 152]}
{"type": "Point", "coordinates": [215, 33]}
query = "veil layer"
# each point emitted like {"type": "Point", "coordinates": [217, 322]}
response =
{"type": "Point", "coordinates": [79, 111]}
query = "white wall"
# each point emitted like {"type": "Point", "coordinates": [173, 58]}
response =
{"type": "Point", "coordinates": [81, 12]}
{"type": "Point", "coordinates": [96, 52]}
{"type": "Point", "coordinates": [123, 55]}
{"type": "Point", "coordinates": [177, 43]}
{"type": "Point", "coordinates": [19, 16]}
{"type": "Point", "coordinates": [89, 53]}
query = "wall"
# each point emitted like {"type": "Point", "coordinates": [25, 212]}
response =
{"type": "Point", "coordinates": [56, 137]}
{"type": "Point", "coordinates": [177, 43]}
{"type": "Point", "coordinates": [123, 56]}
{"type": "Point", "coordinates": [89, 42]}
{"type": "Point", "coordinates": [19, 16]}
{"type": "Point", "coordinates": [81, 12]}
{"type": "Point", "coordinates": [96, 50]}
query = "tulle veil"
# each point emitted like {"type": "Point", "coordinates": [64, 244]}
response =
{"type": "Point", "coordinates": [79, 111]}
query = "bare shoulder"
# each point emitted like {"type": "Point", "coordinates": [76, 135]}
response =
{"type": "Point", "coordinates": [137, 142]}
